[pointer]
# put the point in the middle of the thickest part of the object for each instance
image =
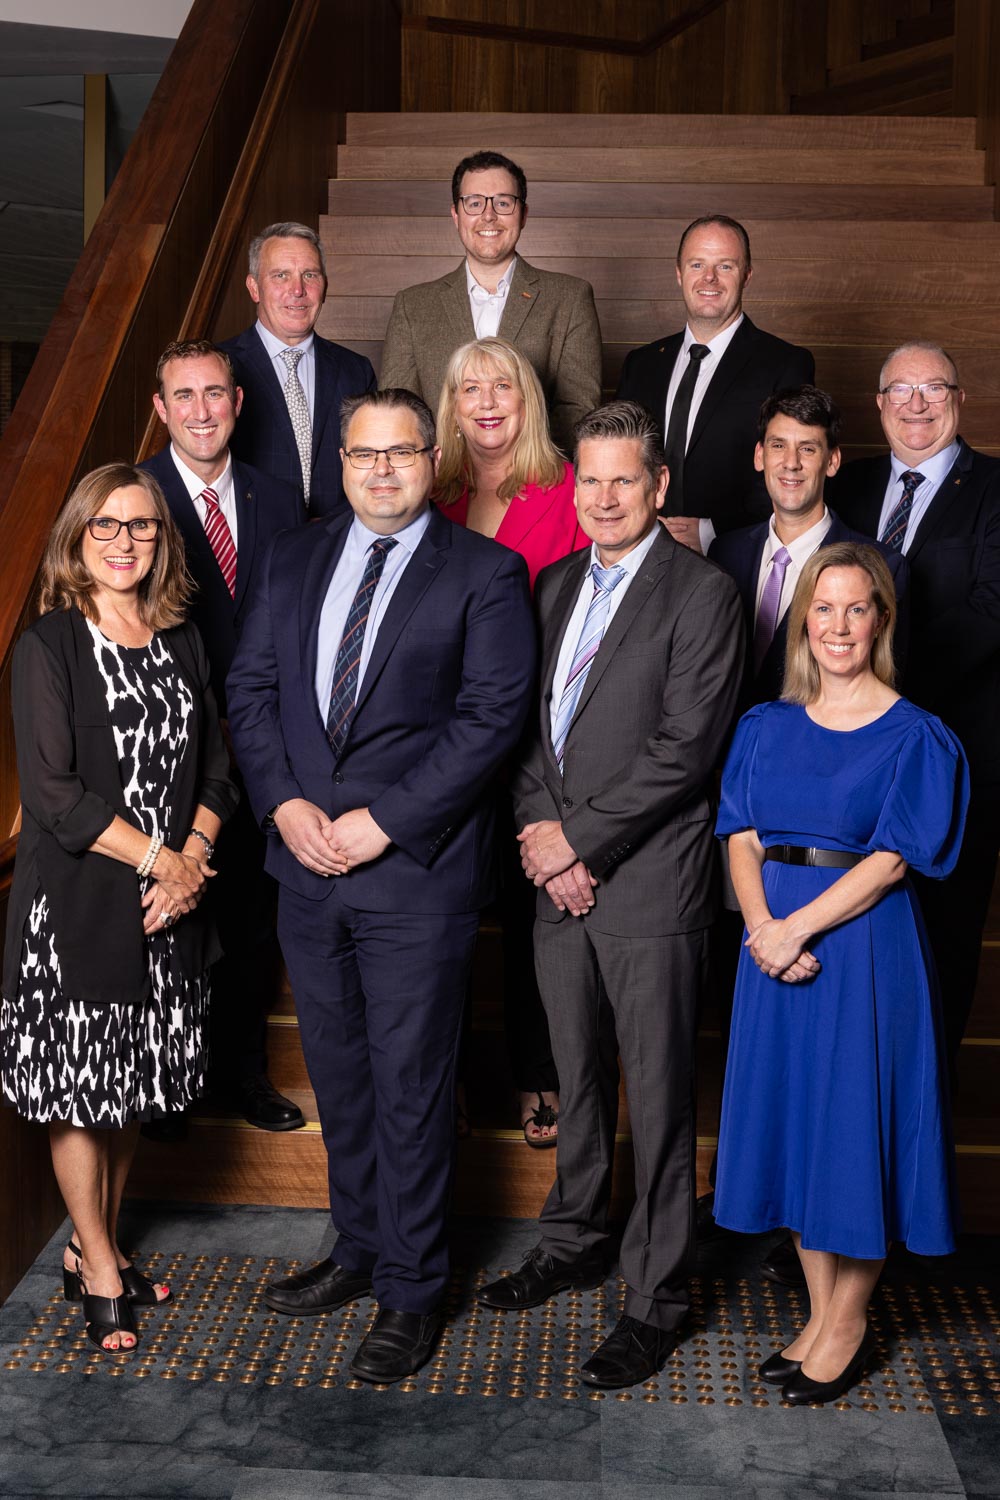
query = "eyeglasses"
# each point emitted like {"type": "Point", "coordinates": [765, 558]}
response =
{"type": "Point", "coordinates": [503, 203]}
{"type": "Point", "coordinates": [397, 458]}
{"type": "Point", "coordinates": [108, 528]}
{"type": "Point", "coordinates": [933, 391]}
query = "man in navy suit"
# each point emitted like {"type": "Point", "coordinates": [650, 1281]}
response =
{"type": "Point", "coordinates": [381, 681]}
{"type": "Point", "coordinates": [293, 381]}
{"type": "Point", "coordinates": [198, 400]}
{"type": "Point", "coordinates": [705, 385]}
{"type": "Point", "coordinates": [937, 501]}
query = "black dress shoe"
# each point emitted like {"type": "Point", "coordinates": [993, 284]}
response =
{"type": "Point", "coordinates": [778, 1369]}
{"type": "Point", "coordinates": [260, 1104]}
{"type": "Point", "coordinates": [782, 1265]}
{"type": "Point", "coordinates": [800, 1390]}
{"type": "Point", "coordinates": [705, 1228]}
{"type": "Point", "coordinates": [399, 1343]}
{"type": "Point", "coordinates": [320, 1289]}
{"type": "Point", "coordinates": [167, 1130]}
{"type": "Point", "coordinates": [539, 1278]}
{"type": "Point", "coordinates": [633, 1351]}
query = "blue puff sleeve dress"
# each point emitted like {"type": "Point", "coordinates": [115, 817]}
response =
{"type": "Point", "coordinates": [835, 1119]}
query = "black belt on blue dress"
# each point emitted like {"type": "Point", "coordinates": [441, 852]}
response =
{"type": "Point", "coordinates": [791, 854]}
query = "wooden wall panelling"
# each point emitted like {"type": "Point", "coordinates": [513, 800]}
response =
{"type": "Point", "coordinates": [977, 79]}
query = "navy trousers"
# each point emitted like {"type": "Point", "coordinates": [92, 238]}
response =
{"type": "Point", "coordinates": [379, 999]}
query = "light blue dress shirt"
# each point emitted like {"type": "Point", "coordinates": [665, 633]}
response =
{"type": "Point", "coordinates": [935, 471]}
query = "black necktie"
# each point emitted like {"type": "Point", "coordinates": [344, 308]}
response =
{"type": "Point", "coordinates": [677, 431]}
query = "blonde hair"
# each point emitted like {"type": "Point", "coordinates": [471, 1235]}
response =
{"type": "Point", "coordinates": [535, 459]}
{"type": "Point", "coordinates": [66, 582]}
{"type": "Point", "coordinates": [801, 683]}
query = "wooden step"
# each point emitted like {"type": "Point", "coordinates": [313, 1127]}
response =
{"type": "Point", "coordinates": [404, 131]}
{"type": "Point", "coordinates": [683, 164]}
{"type": "Point", "coordinates": [622, 201]}
{"type": "Point", "coordinates": [915, 61]}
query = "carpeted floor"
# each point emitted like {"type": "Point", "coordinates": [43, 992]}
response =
{"type": "Point", "coordinates": [225, 1399]}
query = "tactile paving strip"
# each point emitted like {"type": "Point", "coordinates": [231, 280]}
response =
{"type": "Point", "coordinates": [939, 1343]}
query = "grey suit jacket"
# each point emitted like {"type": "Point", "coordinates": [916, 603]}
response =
{"type": "Point", "coordinates": [634, 797]}
{"type": "Point", "coordinates": [550, 317]}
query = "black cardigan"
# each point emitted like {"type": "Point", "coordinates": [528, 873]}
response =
{"type": "Point", "coordinates": [70, 792]}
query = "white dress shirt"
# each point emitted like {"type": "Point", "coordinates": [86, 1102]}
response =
{"type": "Point", "coordinates": [935, 471]}
{"type": "Point", "coordinates": [800, 551]}
{"type": "Point", "coordinates": [340, 594]}
{"type": "Point", "coordinates": [223, 487]}
{"type": "Point", "coordinates": [631, 562]}
{"type": "Point", "coordinates": [486, 306]}
{"type": "Point", "coordinates": [305, 369]}
{"type": "Point", "coordinates": [706, 369]}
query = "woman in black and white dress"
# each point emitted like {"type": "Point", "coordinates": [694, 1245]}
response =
{"type": "Point", "coordinates": [124, 786]}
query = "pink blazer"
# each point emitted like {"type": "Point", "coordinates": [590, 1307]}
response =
{"type": "Point", "coordinates": [541, 524]}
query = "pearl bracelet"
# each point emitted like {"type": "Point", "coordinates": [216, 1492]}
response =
{"type": "Point", "coordinates": [144, 867]}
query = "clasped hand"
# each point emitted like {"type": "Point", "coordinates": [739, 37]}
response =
{"type": "Point", "coordinates": [177, 885]}
{"type": "Point", "coordinates": [548, 859]}
{"type": "Point", "coordinates": [780, 953]}
{"type": "Point", "coordinates": [329, 846]}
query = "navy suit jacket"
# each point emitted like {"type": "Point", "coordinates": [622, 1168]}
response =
{"type": "Point", "coordinates": [740, 552]}
{"type": "Point", "coordinates": [441, 707]}
{"type": "Point", "coordinates": [264, 435]}
{"type": "Point", "coordinates": [264, 507]}
{"type": "Point", "coordinates": [720, 480]}
{"type": "Point", "coordinates": [953, 667]}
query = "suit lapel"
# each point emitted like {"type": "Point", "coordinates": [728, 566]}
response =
{"type": "Point", "coordinates": [947, 495]}
{"type": "Point", "coordinates": [323, 392]}
{"type": "Point", "coordinates": [246, 531]}
{"type": "Point", "coordinates": [731, 366]}
{"type": "Point", "coordinates": [322, 561]}
{"type": "Point", "coordinates": [522, 516]}
{"type": "Point", "coordinates": [552, 640]}
{"type": "Point", "coordinates": [182, 509]}
{"type": "Point", "coordinates": [455, 305]}
{"type": "Point", "coordinates": [525, 289]}
{"type": "Point", "coordinates": [655, 398]}
{"type": "Point", "coordinates": [639, 591]}
{"type": "Point", "coordinates": [257, 356]}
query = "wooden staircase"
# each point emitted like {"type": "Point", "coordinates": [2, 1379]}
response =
{"type": "Point", "coordinates": [842, 264]}
{"type": "Point", "coordinates": [909, 69]}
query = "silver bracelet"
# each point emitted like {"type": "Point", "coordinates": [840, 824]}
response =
{"type": "Point", "coordinates": [196, 833]}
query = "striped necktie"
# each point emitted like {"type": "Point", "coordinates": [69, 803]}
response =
{"type": "Point", "coordinates": [346, 671]}
{"type": "Point", "coordinates": [298, 411]}
{"type": "Point", "coordinates": [606, 580]}
{"type": "Point", "coordinates": [220, 538]}
{"type": "Point", "coordinates": [894, 534]}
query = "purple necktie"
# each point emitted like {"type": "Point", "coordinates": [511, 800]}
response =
{"type": "Point", "coordinates": [894, 534]}
{"type": "Point", "coordinates": [767, 614]}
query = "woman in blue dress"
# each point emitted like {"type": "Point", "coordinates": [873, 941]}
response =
{"type": "Point", "coordinates": [835, 1119]}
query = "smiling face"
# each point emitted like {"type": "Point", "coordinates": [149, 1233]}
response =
{"type": "Point", "coordinates": [616, 499]}
{"type": "Point", "coordinates": [289, 288]}
{"type": "Point", "coordinates": [119, 566]}
{"type": "Point", "coordinates": [489, 238]}
{"type": "Point", "coordinates": [383, 498]}
{"type": "Point", "coordinates": [842, 622]}
{"type": "Point", "coordinates": [712, 272]}
{"type": "Point", "coordinates": [796, 462]}
{"type": "Point", "coordinates": [199, 408]}
{"type": "Point", "coordinates": [489, 410]}
{"type": "Point", "coordinates": [919, 429]}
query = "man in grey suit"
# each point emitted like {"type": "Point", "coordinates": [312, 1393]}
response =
{"type": "Point", "coordinates": [642, 652]}
{"type": "Point", "coordinates": [550, 317]}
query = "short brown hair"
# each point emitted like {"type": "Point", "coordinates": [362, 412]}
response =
{"type": "Point", "coordinates": [801, 683]}
{"type": "Point", "coordinates": [65, 581]}
{"type": "Point", "coordinates": [622, 419]}
{"type": "Point", "coordinates": [193, 349]}
{"type": "Point", "coordinates": [724, 222]}
{"type": "Point", "coordinates": [389, 397]}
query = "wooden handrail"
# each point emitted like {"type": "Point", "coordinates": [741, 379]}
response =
{"type": "Point", "coordinates": [539, 36]}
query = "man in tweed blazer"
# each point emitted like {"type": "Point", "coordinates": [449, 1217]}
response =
{"type": "Point", "coordinates": [550, 317]}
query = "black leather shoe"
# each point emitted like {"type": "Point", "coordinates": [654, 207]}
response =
{"type": "Point", "coordinates": [778, 1369]}
{"type": "Point", "coordinates": [705, 1228]}
{"type": "Point", "coordinates": [259, 1102]}
{"type": "Point", "coordinates": [782, 1265]}
{"type": "Point", "coordinates": [399, 1343]}
{"type": "Point", "coordinates": [539, 1278]}
{"type": "Point", "coordinates": [633, 1351]}
{"type": "Point", "coordinates": [322, 1288]}
{"type": "Point", "coordinates": [800, 1390]}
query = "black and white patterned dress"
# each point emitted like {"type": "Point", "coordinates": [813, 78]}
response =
{"type": "Point", "coordinates": [104, 1065]}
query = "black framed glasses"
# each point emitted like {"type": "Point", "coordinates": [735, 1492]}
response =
{"type": "Point", "coordinates": [504, 204]}
{"type": "Point", "coordinates": [108, 528]}
{"type": "Point", "coordinates": [933, 391]}
{"type": "Point", "coordinates": [402, 457]}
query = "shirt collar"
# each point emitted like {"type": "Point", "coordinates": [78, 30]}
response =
{"type": "Point", "coordinates": [933, 469]}
{"type": "Point", "coordinates": [632, 561]}
{"type": "Point", "coordinates": [719, 344]}
{"type": "Point", "coordinates": [274, 345]}
{"type": "Point", "coordinates": [409, 537]}
{"type": "Point", "coordinates": [475, 289]}
{"type": "Point", "coordinates": [803, 547]}
{"type": "Point", "coordinates": [193, 482]}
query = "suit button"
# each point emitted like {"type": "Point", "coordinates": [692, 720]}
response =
{"type": "Point", "coordinates": [337, 778]}
{"type": "Point", "coordinates": [567, 802]}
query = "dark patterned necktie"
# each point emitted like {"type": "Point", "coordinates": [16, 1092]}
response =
{"type": "Point", "coordinates": [894, 534]}
{"type": "Point", "coordinates": [677, 432]}
{"type": "Point", "coordinates": [348, 665]}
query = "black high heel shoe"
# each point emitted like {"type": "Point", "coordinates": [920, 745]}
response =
{"type": "Point", "coordinates": [139, 1290]}
{"type": "Point", "coordinates": [778, 1369]}
{"type": "Point", "coordinates": [800, 1389]}
{"type": "Point", "coordinates": [107, 1315]}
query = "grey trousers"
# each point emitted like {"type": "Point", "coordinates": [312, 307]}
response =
{"type": "Point", "coordinates": [637, 997]}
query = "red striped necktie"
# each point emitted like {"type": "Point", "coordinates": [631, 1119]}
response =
{"type": "Point", "coordinates": [220, 538]}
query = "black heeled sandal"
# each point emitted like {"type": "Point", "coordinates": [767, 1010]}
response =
{"type": "Point", "coordinates": [137, 1288]}
{"type": "Point", "coordinates": [107, 1315]}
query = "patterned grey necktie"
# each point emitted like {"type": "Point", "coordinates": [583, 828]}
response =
{"type": "Point", "coordinates": [298, 410]}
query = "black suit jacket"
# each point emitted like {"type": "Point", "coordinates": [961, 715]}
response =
{"type": "Point", "coordinates": [740, 552]}
{"type": "Point", "coordinates": [265, 507]}
{"type": "Point", "coordinates": [720, 480]}
{"type": "Point", "coordinates": [953, 667]}
{"type": "Point", "coordinates": [264, 435]}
